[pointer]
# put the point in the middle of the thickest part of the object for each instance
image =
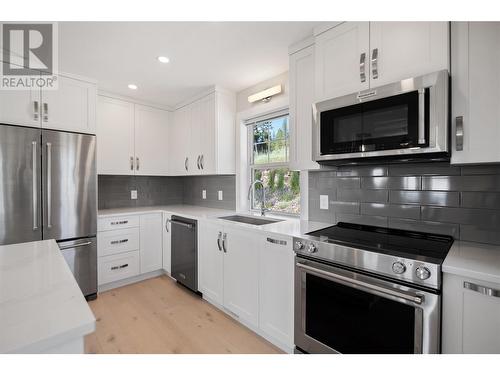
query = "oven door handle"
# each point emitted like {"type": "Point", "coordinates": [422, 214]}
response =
{"type": "Point", "coordinates": [394, 293]}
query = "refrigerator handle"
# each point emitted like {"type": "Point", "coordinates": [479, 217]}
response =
{"type": "Point", "coordinates": [49, 185]}
{"type": "Point", "coordinates": [35, 186]}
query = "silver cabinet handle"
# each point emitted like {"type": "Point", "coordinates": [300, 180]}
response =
{"type": "Point", "coordinates": [198, 161]}
{"type": "Point", "coordinates": [45, 112]}
{"type": "Point", "coordinates": [35, 185]}
{"type": "Point", "coordinates": [166, 225]}
{"type": "Point", "coordinates": [482, 289]}
{"type": "Point", "coordinates": [224, 238]}
{"type": "Point", "coordinates": [49, 185]}
{"type": "Point", "coordinates": [131, 163]}
{"type": "Point", "coordinates": [459, 133]}
{"type": "Point", "coordinates": [119, 222]}
{"type": "Point", "coordinates": [119, 267]}
{"type": "Point", "coordinates": [218, 241]}
{"type": "Point", "coordinates": [35, 110]}
{"type": "Point", "coordinates": [116, 242]}
{"type": "Point", "coordinates": [362, 68]}
{"type": "Point", "coordinates": [375, 63]}
{"type": "Point", "coordinates": [421, 116]}
{"type": "Point", "coordinates": [186, 164]}
{"type": "Point", "coordinates": [137, 163]}
{"type": "Point", "coordinates": [275, 241]}
{"type": "Point", "coordinates": [202, 161]}
{"type": "Point", "coordinates": [80, 244]}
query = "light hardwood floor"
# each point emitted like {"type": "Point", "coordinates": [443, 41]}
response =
{"type": "Point", "coordinates": [159, 316]}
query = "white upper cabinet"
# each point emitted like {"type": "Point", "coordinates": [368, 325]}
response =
{"type": "Point", "coordinates": [339, 55]}
{"type": "Point", "coordinates": [355, 56]}
{"type": "Point", "coordinates": [400, 50]}
{"type": "Point", "coordinates": [20, 107]}
{"type": "Point", "coordinates": [202, 140]}
{"type": "Point", "coordinates": [115, 137]}
{"type": "Point", "coordinates": [151, 141]}
{"type": "Point", "coordinates": [301, 77]}
{"type": "Point", "coordinates": [475, 51]}
{"type": "Point", "coordinates": [71, 107]}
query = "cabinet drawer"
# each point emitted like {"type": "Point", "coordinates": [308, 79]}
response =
{"type": "Point", "coordinates": [117, 267]}
{"type": "Point", "coordinates": [117, 241]}
{"type": "Point", "coordinates": [117, 222]}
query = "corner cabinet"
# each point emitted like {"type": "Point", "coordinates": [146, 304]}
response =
{"type": "Point", "coordinates": [355, 56]}
{"type": "Point", "coordinates": [167, 243]}
{"type": "Point", "coordinates": [203, 136]}
{"type": "Point", "coordinates": [475, 51]}
{"type": "Point", "coordinates": [132, 139]}
{"type": "Point", "coordinates": [70, 107]}
{"type": "Point", "coordinates": [301, 77]}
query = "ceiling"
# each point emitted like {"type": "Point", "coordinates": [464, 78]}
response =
{"type": "Point", "coordinates": [234, 55]}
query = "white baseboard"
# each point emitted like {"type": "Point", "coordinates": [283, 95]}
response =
{"type": "Point", "coordinates": [131, 280]}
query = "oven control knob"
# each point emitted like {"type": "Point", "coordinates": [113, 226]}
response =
{"type": "Point", "coordinates": [398, 267]}
{"type": "Point", "coordinates": [423, 273]}
{"type": "Point", "coordinates": [299, 245]}
{"type": "Point", "coordinates": [311, 248]}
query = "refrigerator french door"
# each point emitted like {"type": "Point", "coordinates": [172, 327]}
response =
{"type": "Point", "coordinates": [49, 191]}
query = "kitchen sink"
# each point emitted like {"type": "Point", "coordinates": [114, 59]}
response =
{"type": "Point", "coordinates": [249, 220]}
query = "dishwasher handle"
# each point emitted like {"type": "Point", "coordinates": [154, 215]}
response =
{"type": "Point", "coordinates": [187, 225]}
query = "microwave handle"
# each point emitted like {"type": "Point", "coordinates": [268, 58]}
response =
{"type": "Point", "coordinates": [421, 116]}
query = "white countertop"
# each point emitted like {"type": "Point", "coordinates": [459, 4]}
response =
{"type": "Point", "coordinates": [41, 305]}
{"type": "Point", "coordinates": [288, 226]}
{"type": "Point", "coordinates": [475, 260]}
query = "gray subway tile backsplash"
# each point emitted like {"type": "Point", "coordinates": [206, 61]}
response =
{"type": "Point", "coordinates": [461, 201]}
{"type": "Point", "coordinates": [114, 191]}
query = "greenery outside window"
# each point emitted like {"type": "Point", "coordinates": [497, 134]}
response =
{"type": "Point", "coordinates": [269, 149]}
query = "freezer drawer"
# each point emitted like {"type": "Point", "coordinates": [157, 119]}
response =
{"type": "Point", "coordinates": [81, 256]}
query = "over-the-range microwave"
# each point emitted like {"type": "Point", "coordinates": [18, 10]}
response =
{"type": "Point", "coordinates": [407, 120]}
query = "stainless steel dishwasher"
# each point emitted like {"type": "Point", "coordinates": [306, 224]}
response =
{"type": "Point", "coordinates": [185, 251]}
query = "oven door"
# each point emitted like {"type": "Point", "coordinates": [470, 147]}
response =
{"type": "Point", "coordinates": [340, 311]}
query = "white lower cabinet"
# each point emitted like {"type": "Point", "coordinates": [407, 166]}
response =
{"type": "Point", "coordinates": [471, 316]}
{"type": "Point", "coordinates": [250, 277]}
{"type": "Point", "coordinates": [167, 243]}
{"type": "Point", "coordinates": [276, 293]}
{"type": "Point", "coordinates": [129, 246]}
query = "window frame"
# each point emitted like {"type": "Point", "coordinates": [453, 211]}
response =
{"type": "Point", "coordinates": [250, 125]}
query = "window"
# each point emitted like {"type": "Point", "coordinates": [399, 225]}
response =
{"type": "Point", "coordinates": [269, 149]}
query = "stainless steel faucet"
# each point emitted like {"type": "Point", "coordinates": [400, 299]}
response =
{"type": "Point", "coordinates": [263, 208]}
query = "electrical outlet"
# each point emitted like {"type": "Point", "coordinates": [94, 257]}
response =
{"type": "Point", "coordinates": [203, 194]}
{"type": "Point", "coordinates": [133, 194]}
{"type": "Point", "coordinates": [323, 202]}
{"type": "Point", "coordinates": [220, 195]}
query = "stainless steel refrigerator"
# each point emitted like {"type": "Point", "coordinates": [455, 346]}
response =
{"type": "Point", "coordinates": [48, 190]}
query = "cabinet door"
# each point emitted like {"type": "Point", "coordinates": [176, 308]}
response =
{"type": "Point", "coordinates": [166, 243]}
{"type": "Point", "coordinates": [339, 54]}
{"type": "Point", "coordinates": [301, 78]}
{"type": "Point", "coordinates": [115, 136]}
{"type": "Point", "coordinates": [20, 107]}
{"type": "Point", "coordinates": [210, 261]}
{"type": "Point", "coordinates": [71, 107]}
{"type": "Point", "coordinates": [151, 141]}
{"type": "Point", "coordinates": [276, 288]}
{"type": "Point", "coordinates": [241, 274]}
{"type": "Point", "coordinates": [180, 142]}
{"type": "Point", "coordinates": [196, 120]}
{"type": "Point", "coordinates": [151, 242]}
{"type": "Point", "coordinates": [207, 136]}
{"type": "Point", "coordinates": [400, 50]}
{"type": "Point", "coordinates": [475, 92]}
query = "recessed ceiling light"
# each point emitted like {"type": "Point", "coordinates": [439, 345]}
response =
{"type": "Point", "coordinates": [163, 59]}
{"type": "Point", "coordinates": [132, 86]}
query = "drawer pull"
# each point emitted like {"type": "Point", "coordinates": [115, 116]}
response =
{"type": "Point", "coordinates": [277, 242]}
{"type": "Point", "coordinates": [482, 289]}
{"type": "Point", "coordinates": [114, 268]}
{"type": "Point", "coordinates": [116, 242]}
{"type": "Point", "coordinates": [119, 222]}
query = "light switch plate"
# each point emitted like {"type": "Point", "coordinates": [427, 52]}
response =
{"type": "Point", "coordinates": [220, 195]}
{"type": "Point", "coordinates": [323, 202]}
{"type": "Point", "coordinates": [133, 194]}
{"type": "Point", "coordinates": [204, 194]}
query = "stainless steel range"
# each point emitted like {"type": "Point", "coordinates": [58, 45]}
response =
{"type": "Point", "coordinates": [364, 289]}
